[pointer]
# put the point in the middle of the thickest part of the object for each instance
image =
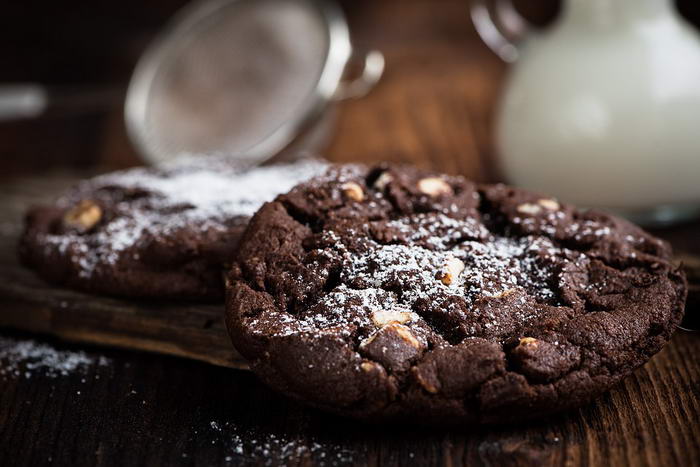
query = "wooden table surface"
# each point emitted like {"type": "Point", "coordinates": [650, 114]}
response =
{"type": "Point", "coordinates": [135, 408]}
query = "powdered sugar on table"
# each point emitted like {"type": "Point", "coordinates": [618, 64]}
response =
{"type": "Point", "coordinates": [23, 358]}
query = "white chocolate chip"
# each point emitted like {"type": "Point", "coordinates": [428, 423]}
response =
{"type": "Point", "coordinates": [383, 180]}
{"type": "Point", "coordinates": [453, 269]}
{"type": "Point", "coordinates": [434, 186]}
{"type": "Point", "coordinates": [550, 204]}
{"type": "Point", "coordinates": [353, 191]}
{"type": "Point", "coordinates": [382, 318]}
{"type": "Point", "coordinates": [529, 208]}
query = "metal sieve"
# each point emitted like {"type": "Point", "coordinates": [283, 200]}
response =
{"type": "Point", "coordinates": [242, 77]}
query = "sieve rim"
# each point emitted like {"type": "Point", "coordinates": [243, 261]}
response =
{"type": "Point", "coordinates": [338, 53]}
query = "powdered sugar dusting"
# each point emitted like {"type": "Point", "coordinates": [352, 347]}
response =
{"type": "Point", "coordinates": [333, 317]}
{"type": "Point", "coordinates": [492, 273]}
{"type": "Point", "coordinates": [438, 231]}
{"type": "Point", "coordinates": [208, 194]}
{"type": "Point", "coordinates": [215, 191]}
{"type": "Point", "coordinates": [490, 270]}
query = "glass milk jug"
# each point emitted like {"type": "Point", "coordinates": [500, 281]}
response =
{"type": "Point", "coordinates": [601, 109]}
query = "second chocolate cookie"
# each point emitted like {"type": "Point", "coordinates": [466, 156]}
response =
{"type": "Point", "coordinates": [159, 233]}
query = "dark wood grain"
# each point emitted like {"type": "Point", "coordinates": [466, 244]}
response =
{"type": "Point", "coordinates": [146, 409]}
{"type": "Point", "coordinates": [433, 108]}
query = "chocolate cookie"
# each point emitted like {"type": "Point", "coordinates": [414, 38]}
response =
{"type": "Point", "coordinates": [391, 293]}
{"type": "Point", "coordinates": [153, 232]}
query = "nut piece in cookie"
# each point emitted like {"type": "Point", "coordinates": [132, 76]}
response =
{"type": "Point", "coordinates": [394, 346]}
{"type": "Point", "coordinates": [368, 367]}
{"type": "Point", "coordinates": [528, 341]}
{"type": "Point", "coordinates": [533, 209]}
{"type": "Point", "coordinates": [429, 381]}
{"type": "Point", "coordinates": [504, 294]}
{"type": "Point", "coordinates": [353, 191]}
{"type": "Point", "coordinates": [434, 186]}
{"type": "Point", "coordinates": [529, 208]}
{"type": "Point", "coordinates": [83, 216]}
{"type": "Point", "coordinates": [382, 318]}
{"type": "Point", "coordinates": [549, 204]}
{"type": "Point", "coordinates": [453, 269]}
{"type": "Point", "coordinates": [383, 180]}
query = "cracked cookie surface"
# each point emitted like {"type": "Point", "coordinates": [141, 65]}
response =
{"type": "Point", "coordinates": [393, 293]}
{"type": "Point", "coordinates": [160, 233]}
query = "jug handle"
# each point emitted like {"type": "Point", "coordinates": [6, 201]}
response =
{"type": "Point", "coordinates": [500, 26]}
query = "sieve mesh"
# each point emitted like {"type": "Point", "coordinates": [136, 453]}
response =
{"type": "Point", "coordinates": [228, 77]}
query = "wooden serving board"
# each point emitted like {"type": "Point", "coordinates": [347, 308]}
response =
{"type": "Point", "coordinates": [188, 330]}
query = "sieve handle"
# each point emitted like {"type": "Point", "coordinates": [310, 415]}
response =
{"type": "Point", "coordinates": [21, 101]}
{"type": "Point", "coordinates": [372, 70]}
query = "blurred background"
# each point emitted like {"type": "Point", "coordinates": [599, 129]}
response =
{"type": "Point", "coordinates": [434, 104]}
